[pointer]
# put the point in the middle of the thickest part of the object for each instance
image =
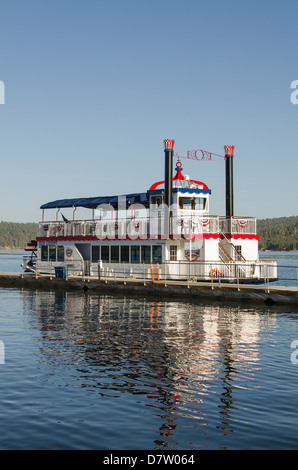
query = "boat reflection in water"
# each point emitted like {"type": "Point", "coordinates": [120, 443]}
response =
{"type": "Point", "coordinates": [179, 372]}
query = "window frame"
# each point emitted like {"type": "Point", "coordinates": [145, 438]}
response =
{"type": "Point", "coordinates": [105, 256]}
{"type": "Point", "coordinates": [52, 250]}
{"type": "Point", "coordinates": [44, 248]}
{"type": "Point", "coordinates": [60, 249]}
{"type": "Point", "coordinates": [124, 257]}
{"type": "Point", "coordinates": [145, 249]}
{"type": "Point", "coordinates": [158, 258]}
{"type": "Point", "coordinates": [114, 253]}
{"type": "Point", "coordinates": [134, 248]}
{"type": "Point", "coordinates": [173, 256]}
{"type": "Point", "coordinates": [94, 257]}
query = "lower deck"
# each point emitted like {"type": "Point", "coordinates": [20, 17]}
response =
{"type": "Point", "coordinates": [197, 259]}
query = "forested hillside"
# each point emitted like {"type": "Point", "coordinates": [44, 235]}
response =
{"type": "Point", "coordinates": [275, 234]}
{"type": "Point", "coordinates": [278, 234]}
{"type": "Point", "coordinates": [17, 235]}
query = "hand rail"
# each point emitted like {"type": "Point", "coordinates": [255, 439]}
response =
{"type": "Point", "coordinates": [235, 249]}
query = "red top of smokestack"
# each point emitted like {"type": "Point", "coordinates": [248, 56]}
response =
{"type": "Point", "coordinates": [229, 149]}
{"type": "Point", "coordinates": [169, 144]}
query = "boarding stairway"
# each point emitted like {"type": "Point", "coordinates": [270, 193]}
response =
{"type": "Point", "coordinates": [230, 258]}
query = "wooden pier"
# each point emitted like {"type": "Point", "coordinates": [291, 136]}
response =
{"type": "Point", "coordinates": [219, 291]}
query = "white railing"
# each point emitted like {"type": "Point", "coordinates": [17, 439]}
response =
{"type": "Point", "coordinates": [134, 227]}
{"type": "Point", "coordinates": [246, 225]}
{"type": "Point", "coordinates": [143, 226]}
{"type": "Point", "coordinates": [180, 270]}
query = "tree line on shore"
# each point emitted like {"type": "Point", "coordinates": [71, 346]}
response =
{"type": "Point", "coordinates": [278, 233]}
{"type": "Point", "coordinates": [15, 235]}
{"type": "Point", "coordinates": [275, 234]}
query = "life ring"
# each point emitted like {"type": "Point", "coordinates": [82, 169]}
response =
{"type": "Point", "coordinates": [68, 252]}
{"type": "Point", "coordinates": [60, 227]}
{"type": "Point", "coordinates": [191, 260]}
{"type": "Point", "coordinates": [46, 228]}
{"type": "Point", "coordinates": [195, 255]}
{"type": "Point", "coordinates": [215, 273]}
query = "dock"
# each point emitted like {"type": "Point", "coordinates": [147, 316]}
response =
{"type": "Point", "coordinates": [187, 290]}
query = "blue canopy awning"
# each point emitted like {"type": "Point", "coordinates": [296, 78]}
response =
{"type": "Point", "coordinates": [91, 202]}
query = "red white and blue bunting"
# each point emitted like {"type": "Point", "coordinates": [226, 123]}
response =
{"type": "Point", "coordinates": [242, 223]}
{"type": "Point", "coordinates": [204, 222]}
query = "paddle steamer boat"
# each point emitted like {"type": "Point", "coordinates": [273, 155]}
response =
{"type": "Point", "coordinates": [166, 232]}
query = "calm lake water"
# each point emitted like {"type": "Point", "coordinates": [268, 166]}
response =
{"type": "Point", "coordinates": [83, 370]}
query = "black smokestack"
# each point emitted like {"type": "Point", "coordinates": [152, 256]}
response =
{"type": "Point", "coordinates": [169, 151]}
{"type": "Point", "coordinates": [229, 155]}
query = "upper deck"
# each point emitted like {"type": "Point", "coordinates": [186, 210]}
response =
{"type": "Point", "coordinates": [146, 215]}
{"type": "Point", "coordinates": [144, 228]}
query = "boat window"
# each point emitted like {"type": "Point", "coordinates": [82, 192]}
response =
{"type": "Point", "coordinates": [195, 203]}
{"type": "Point", "coordinates": [52, 253]}
{"type": "Point", "coordinates": [185, 203]}
{"type": "Point", "coordinates": [44, 253]}
{"type": "Point", "coordinates": [135, 254]}
{"type": "Point", "coordinates": [199, 203]}
{"type": "Point", "coordinates": [115, 254]}
{"type": "Point", "coordinates": [95, 254]}
{"type": "Point", "coordinates": [105, 253]}
{"type": "Point", "coordinates": [156, 254]}
{"type": "Point", "coordinates": [156, 201]}
{"type": "Point", "coordinates": [124, 253]}
{"type": "Point", "coordinates": [238, 254]}
{"type": "Point", "coordinates": [145, 254]}
{"type": "Point", "coordinates": [173, 252]}
{"type": "Point", "coordinates": [60, 253]}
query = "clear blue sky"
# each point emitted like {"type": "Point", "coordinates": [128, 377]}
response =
{"type": "Point", "coordinates": [93, 87]}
